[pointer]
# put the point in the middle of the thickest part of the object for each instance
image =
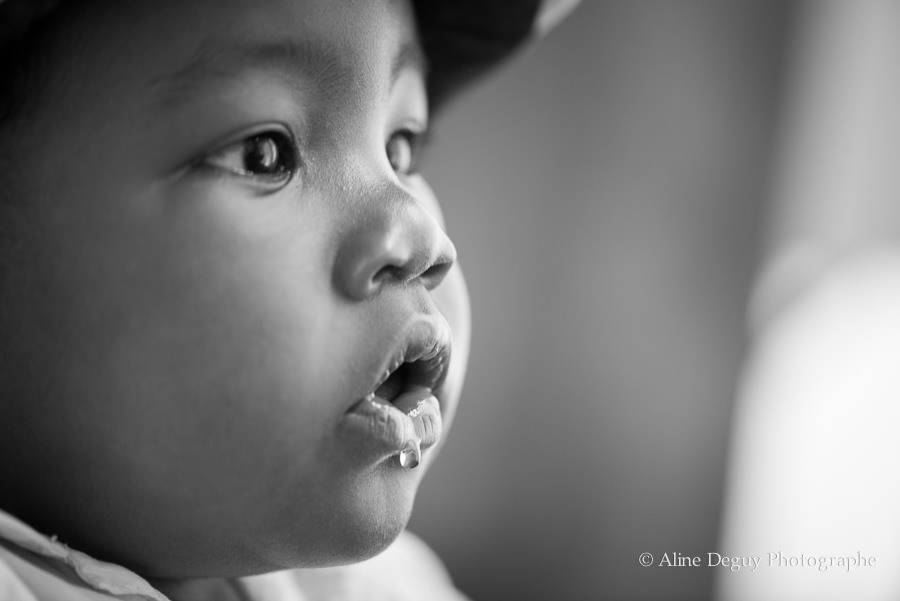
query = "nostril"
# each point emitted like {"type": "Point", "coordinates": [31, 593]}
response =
{"type": "Point", "coordinates": [431, 277]}
{"type": "Point", "coordinates": [393, 243]}
{"type": "Point", "coordinates": [390, 273]}
{"type": "Point", "coordinates": [435, 274]}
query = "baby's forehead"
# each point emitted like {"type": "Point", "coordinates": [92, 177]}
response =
{"type": "Point", "coordinates": [461, 38]}
{"type": "Point", "coordinates": [320, 38]}
{"type": "Point", "coordinates": [312, 61]}
{"type": "Point", "coordinates": [167, 52]}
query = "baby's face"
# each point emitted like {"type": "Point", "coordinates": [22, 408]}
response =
{"type": "Point", "coordinates": [228, 246]}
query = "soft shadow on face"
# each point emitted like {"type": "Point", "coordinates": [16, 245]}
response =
{"type": "Point", "coordinates": [188, 345]}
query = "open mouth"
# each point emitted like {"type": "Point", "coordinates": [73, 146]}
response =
{"type": "Point", "coordinates": [401, 416]}
{"type": "Point", "coordinates": [412, 373]}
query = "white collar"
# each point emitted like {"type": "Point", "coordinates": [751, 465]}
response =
{"type": "Point", "coordinates": [104, 577]}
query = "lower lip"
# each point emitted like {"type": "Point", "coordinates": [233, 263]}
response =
{"type": "Point", "coordinates": [382, 429]}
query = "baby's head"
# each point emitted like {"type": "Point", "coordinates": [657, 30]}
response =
{"type": "Point", "coordinates": [231, 320]}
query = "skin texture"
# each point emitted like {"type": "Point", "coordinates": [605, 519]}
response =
{"type": "Point", "coordinates": [182, 339]}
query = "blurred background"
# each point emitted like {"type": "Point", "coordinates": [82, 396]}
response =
{"type": "Point", "coordinates": [680, 224]}
{"type": "Point", "coordinates": [605, 190]}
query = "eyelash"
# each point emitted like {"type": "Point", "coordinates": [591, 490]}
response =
{"type": "Point", "coordinates": [273, 150]}
{"type": "Point", "coordinates": [281, 150]}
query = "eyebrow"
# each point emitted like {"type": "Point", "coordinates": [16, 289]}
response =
{"type": "Point", "coordinates": [219, 62]}
{"type": "Point", "coordinates": [324, 64]}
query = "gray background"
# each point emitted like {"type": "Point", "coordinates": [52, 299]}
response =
{"type": "Point", "coordinates": [605, 192]}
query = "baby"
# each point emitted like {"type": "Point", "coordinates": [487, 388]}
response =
{"type": "Point", "coordinates": [233, 330]}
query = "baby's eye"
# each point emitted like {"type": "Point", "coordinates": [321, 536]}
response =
{"type": "Point", "coordinates": [269, 157]}
{"type": "Point", "coordinates": [402, 151]}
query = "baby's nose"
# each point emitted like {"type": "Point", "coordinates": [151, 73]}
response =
{"type": "Point", "coordinates": [394, 240]}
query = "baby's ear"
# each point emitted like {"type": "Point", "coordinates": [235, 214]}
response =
{"type": "Point", "coordinates": [408, 570]}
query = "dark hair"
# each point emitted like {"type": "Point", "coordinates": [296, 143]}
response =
{"type": "Point", "coordinates": [24, 72]}
{"type": "Point", "coordinates": [25, 69]}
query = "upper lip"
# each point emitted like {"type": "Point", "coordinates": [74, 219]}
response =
{"type": "Point", "coordinates": [423, 353]}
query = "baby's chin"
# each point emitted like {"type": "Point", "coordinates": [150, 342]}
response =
{"type": "Point", "coordinates": [363, 521]}
{"type": "Point", "coordinates": [366, 542]}
{"type": "Point", "coordinates": [336, 519]}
